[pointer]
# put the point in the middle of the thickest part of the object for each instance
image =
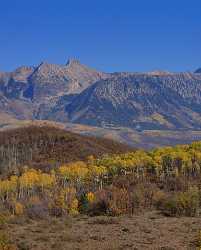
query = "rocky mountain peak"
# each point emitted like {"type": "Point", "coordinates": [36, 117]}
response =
{"type": "Point", "coordinates": [159, 73]}
{"type": "Point", "coordinates": [47, 67]}
{"type": "Point", "coordinates": [23, 69]}
{"type": "Point", "coordinates": [77, 93]}
{"type": "Point", "coordinates": [72, 61]}
{"type": "Point", "coordinates": [22, 73]}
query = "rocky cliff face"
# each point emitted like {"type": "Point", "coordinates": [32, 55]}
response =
{"type": "Point", "coordinates": [76, 93]}
{"type": "Point", "coordinates": [50, 80]}
{"type": "Point", "coordinates": [144, 101]}
{"type": "Point", "coordinates": [39, 89]}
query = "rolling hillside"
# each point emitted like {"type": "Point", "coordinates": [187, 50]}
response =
{"type": "Point", "coordinates": [46, 147]}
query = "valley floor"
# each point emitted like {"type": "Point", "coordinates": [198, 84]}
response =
{"type": "Point", "coordinates": [146, 231]}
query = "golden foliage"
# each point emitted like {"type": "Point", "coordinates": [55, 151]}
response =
{"type": "Point", "coordinates": [90, 197]}
{"type": "Point", "coordinates": [18, 208]}
{"type": "Point", "coordinates": [5, 243]}
{"type": "Point", "coordinates": [63, 187]}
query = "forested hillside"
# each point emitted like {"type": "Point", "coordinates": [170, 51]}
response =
{"type": "Point", "coordinates": [166, 180]}
{"type": "Point", "coordinates": [46, 147]}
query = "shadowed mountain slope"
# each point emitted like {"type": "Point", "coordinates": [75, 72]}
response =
{"type": "Point", "coordinates": [198, 71]}
{"type": "Point", "coordinates": [75, 93]}
{"type": "Point", "coordinates": [144, 101]}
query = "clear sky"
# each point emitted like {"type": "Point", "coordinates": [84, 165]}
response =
{"type": "Point", "coordinates": [110, 35]}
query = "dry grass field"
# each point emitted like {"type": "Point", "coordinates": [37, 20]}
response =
{"type": "Point", "coordinates": [149, 230]}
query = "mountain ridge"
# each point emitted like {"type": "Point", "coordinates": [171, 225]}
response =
{"type": "Point", "coordinates": [76, 93]}
{"type": "Point", "coordinates": [140, 96]}
{"type": "Point", "coordinates": [40, 87]}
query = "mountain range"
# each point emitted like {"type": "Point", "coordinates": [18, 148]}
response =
{"type": "Point", "coordinates": [75, 93]}
{"type": "Point", "coordinates": [29, 92]}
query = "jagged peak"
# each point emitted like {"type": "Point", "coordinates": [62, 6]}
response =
{"type": "Point", "coordinates": [45, 66]}
{"type": "Point", "coordinates": [23, 68]}
{"type": "Point", "coordinates": [42, 64]}
{"type": "Point", "coordinates": [74, 65]}
{"type": "Point", "coordinates": [159, 73]}
{"type": "Point", "coordinates": [73, 61]}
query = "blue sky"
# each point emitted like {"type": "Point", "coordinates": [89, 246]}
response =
{"type": "Point", "coordinates": [110, 35]}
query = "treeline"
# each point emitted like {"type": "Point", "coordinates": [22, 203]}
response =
{"type": "Point", "coordinates": [47, 147]}
{"type": "Point", "coordinates": [167, 179]}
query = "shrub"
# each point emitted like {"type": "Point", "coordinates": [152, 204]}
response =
{"type": "Point", "coordinates": [189, 202]}
{"type": "Point", "coordinates": [90, 197]}
{"type": "Point", "coordinates": [5, 242]}
{"type": "Point", "coordinates": [142, 196]}
{"type": "Point", "coordinates": [100, 206]}
{"type": "Point", "coordinates": [23, 246]}
{"type": "Point", "coordinates": [112, 201]}
{"type": "Point", "coordinates": [169, 206]}
{"type": "Point", "coordinates": [104, 220]}
{"type": "Point", "coordinates": [159, 198]}
{"type": "Point", "coordinates": [175, 184]}
{"type": "Point", "coordinates": [83, 203]}
{"type": "Point", "coordinates": [18, 208]}
{"type": "Point", "coordinates": [118, 202]}
{"type": "Point", "coordinates": [3, 219]}
{"type": "Point", "coordinates": [86, 201]}
{"type": "Point", "coordinates": [64, 202]}
{"type": "Point", "coordinates": [197, 241]}
{"type": "Point", "coordinates": [73, 208]}
{"type": "Point", "coordinates": [183, 203]}
{"type": "Point", "coordinates": [37, 210]}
